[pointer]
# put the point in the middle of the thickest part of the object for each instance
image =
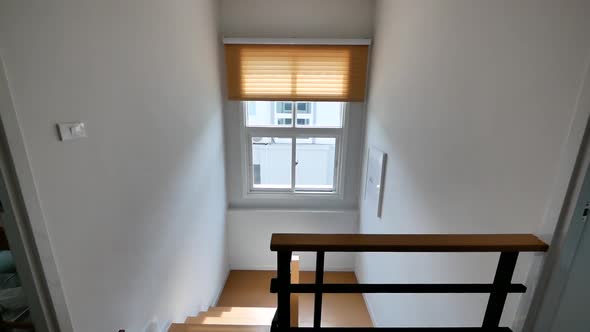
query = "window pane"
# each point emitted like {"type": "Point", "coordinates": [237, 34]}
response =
{"type": "Point", "coordinates": [303, 108]}
{"type": "Point", "coordinates": [280, 114]}
{"type": "Point", "coordinates": [303, 122]}
{"type": "Point", "coordinates": [256, 170]}
{"type": "Point", "coordinates": [315, 163]}
{"type": "Point", "coordinates": [284, 107]}
{"type": "Point", "coordinates": [271, 162]}
{"type": "Point", "coordinates": [268, 114]}
{"type": "Point", "coordinates": [320, 115]}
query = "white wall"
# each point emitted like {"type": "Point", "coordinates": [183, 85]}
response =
{"type": "Point", "coordinates": [300, 18]}
{"type": "Point", "coordinates": [250, 231]}
{"type": "Point", "coordinates": [135, 212]}
{"type": "Point", "coordinates": [472, 101]}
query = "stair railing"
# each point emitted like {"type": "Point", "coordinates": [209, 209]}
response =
{"type": "Point", "coordinates": [508, 245]}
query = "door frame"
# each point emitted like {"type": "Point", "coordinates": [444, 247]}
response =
{"type": "Point", "coordinates": [569, 238]}
{"type": "Point", "coordinates": [25, 224]}
{"type": "Point", "coordinates": [560, 227]}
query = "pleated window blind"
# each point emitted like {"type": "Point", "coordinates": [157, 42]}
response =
{"type": "Point", "coordinates": [296, 72]}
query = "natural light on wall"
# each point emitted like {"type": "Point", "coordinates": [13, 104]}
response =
{"type": "Point", "coordinates": [296, 72]}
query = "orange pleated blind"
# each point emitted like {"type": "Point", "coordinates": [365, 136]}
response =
{"type": "Point", "coordinates": [296, 72]}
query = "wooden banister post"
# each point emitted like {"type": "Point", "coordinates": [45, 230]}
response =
{"type": "Point", "coordinates": [294, 297]}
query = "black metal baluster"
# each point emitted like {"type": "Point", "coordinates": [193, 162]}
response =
{"type": "Point", "coordinates": [319, 284]}
{"type": "Point", "coordinates": [283, 294]}
{"type": "Point", "coordinates": [502, 281]}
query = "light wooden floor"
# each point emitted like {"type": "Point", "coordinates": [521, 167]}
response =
{"type": "Point", "coordinates": [252, 289]}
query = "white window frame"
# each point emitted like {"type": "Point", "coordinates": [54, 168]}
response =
{"type": "Point", "coordinates": [293, 132]}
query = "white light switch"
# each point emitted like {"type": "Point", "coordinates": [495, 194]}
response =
{"type": "Point", "coordinates": [71, 130]}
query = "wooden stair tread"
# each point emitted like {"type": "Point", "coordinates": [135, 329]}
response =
{"type": "Point", "coordinates": [234, 316]}
{"type": "Point", "coordinates": [243, 309]}
{"type": "Point", "coordinates": [217, 328]}
{"type": "Point", "coordinates": [239, 319]}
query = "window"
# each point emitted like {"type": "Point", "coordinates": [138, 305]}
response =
{"type": "Point", "coordinates": [303, 108]}
{"type": "Point", "coordinates": [272, 157]}
{"type": "Point", "coordinates": [285, 108]}
{"type": "Point", "coordinates": [296, 152]}
{"type": "Point", "coordinates": [256, 171]}
{"type": "Point", "coordinates": [315, 163]}
{"type": "Point", "coordinates": [303, 122]}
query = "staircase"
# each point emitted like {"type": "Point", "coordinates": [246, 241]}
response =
{"type": "Point", "coordinates": [228, 319]}
{"type": "Point", "coordinates": [240, 319]}
{"type": "Point", "coordinates": [285, 317]}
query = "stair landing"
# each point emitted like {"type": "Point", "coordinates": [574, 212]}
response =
{"type": "Point", "coordinates": [246, 305]}
{"type": "Point", "coordinates": [251, 289]}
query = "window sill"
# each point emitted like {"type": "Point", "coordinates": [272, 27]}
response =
{"type": "Point", "coordinates": [293, 195]}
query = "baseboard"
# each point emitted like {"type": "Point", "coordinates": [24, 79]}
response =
{"type": "Point", "coordinates": [220, 289]}
{"type": "Point", "coordinates": [166, 326]}
{"type": "Point", "coordinates": [367, 304]}
{"type": "Point", "coordinates": [370, 310]}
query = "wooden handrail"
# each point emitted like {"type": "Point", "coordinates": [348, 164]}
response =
{"type": "Point", "coordinates": [407, 242]}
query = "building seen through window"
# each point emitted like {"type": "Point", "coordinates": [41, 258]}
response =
{"type": "Point", "coordinates": [293, 146]}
